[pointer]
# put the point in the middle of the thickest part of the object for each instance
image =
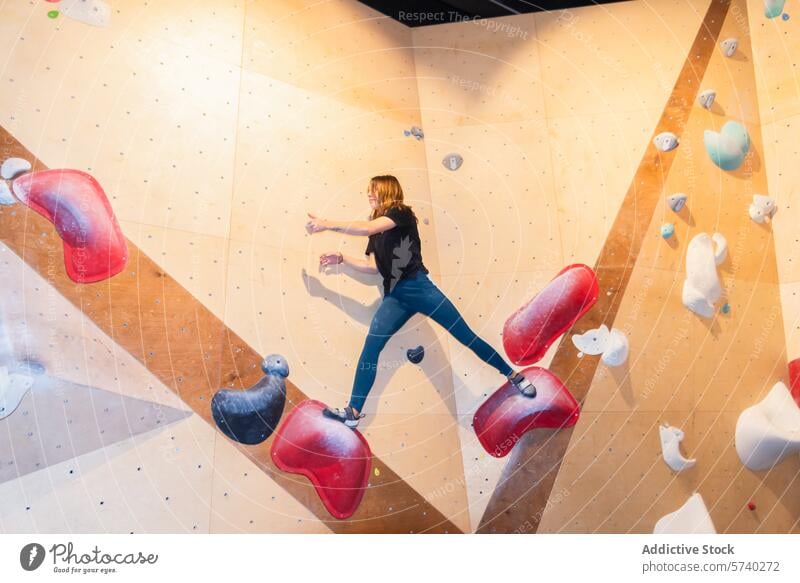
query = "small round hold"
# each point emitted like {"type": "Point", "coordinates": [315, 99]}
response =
{"type": "Point", "coordinates": [416, 355]}
{"type": "Point", "coordinates": [726, 308]}
{"type": "Point", "coordinates": [751, 505]}
{"type": "Point", "coordinates": [785, 16]}
{"type": "Point", "coordinates": [667, 230]}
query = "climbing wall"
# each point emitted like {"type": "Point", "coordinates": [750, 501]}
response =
{"type": "Point", "coordinates": [550, 139]}
{"type": "Point", "coordinates": [775, 46]}
{"type": "Point", "coordinates": [693, 373]}
{"type": "Point", "coordinates": [214, 128]}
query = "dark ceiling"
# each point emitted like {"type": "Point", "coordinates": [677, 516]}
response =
{"type": "Point", "coordinates": [427, 12]}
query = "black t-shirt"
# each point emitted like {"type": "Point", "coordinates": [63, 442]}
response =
{"type": "Point", "coordinates": [398, 250]}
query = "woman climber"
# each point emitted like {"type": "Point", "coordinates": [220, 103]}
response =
{"type": "Point", "coordinates": [394, 251]}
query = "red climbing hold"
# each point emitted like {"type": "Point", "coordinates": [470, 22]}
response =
{"type": "Point", "coordinates": [94, 246]}
{"type": "Point", "coordinates": [334, 457]}
{"type": "Point", "coordinates": [530, 331]}
{"type": "Point", "coordinates": [751, 505]}
{"type": "Point", "coordinates": [507, 415]}
{"type": "Point", "coordinates": [794, 380]}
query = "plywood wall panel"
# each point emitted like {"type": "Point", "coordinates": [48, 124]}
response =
{"type": "Point", "coordinates": [151, 483]}
{"type": "Point", "coordinates": [620, 57]}
{"type": "Point", "coordinates": [776, 44]}
{"type": "Point", "coordinates": [496, 214]}
{"type": "Point", "coordinates": [479, 72]}
{"type": "Point", "coordinates": [340, 49]}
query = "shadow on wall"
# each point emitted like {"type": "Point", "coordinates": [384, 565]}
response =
{"type": "Point", "coordinates": [363, 313]}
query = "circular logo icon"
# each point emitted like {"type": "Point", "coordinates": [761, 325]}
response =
{"type": "Point", "coordinates": [31, 556]}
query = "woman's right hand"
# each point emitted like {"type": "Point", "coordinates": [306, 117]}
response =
{"type": "Point", "coordinates": [327, 259]}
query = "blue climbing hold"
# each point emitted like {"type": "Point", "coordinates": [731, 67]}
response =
{"type": "Point", "coordinates": [726, 308]}
{"type": "Point", "coordinates": [785, 16]}
{"type": "Point", "coordinates": [416, 355]}
{"type": "Point", "coordinates": [667, 230]}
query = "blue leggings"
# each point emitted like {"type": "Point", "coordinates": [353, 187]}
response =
{"type": "Point", "coordinates": [417, 294]}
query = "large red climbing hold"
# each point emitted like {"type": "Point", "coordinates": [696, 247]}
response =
{"type": "Point", "coordinates": [508, 414]}
{"type": "Point", "coordinates": [794, 380]}
{"type": "Point", "coordinates": [530, 331]}
{"type": "Point", "coordinates": [94, 246]}
{"type": "Point", "coordinates": [334, 457]}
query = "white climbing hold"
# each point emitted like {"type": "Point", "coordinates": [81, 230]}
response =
{"type": "Point", "coordinates": [706, 98]}
{"type": "Point", "coordinates": [720, 248]}
{"type": "Point", "coordinates": [677, 201]}
{"type": "Point", "coordinates": [671, 438]}
{"type": "Point", "coordinates": [613, 344]}
{"type": "Point", "coordinates": [452, 161]}
{"type": "Point", "coordinates": [769, 431]}
{"type": "Point", "coordinates": [13, 167]}
{"type": "Point", "coordinates": [729, 46]}
{"type": "Point", "coordinates": [91, 12]}
{"type": "Point", "coordinates": [616, 352]}
{"type": "Point", "coordinates": [12, 389]}
{"type": "Point", "coordinates": [702, 288]}
{"type": "Point", "coordinates": [763, 208]}
{"type": "Point", "coordinates": [666, 141]}
{"type": "Point", "coordinates": [6, 198]}
{"type": "Point", "coordinates": [691, 518]}
{"type": "Point", "coordinates": [592, 342]}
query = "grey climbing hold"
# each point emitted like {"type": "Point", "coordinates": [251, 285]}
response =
{"type": "Point", "coordinates": [252, 415]}
{"type": "Point", "coordinates": [91, 12]}
{"type": "Point", "coordinates": [452, 161]}
{"type": "Point", "coordinates": [729, 46]}
{"type": "Point", "coordinates": [677, 201]}
{"type": "Point", "coordinates": [706, 98]}
{"type": "Point", "coordinates": [666, 141]}
{"type": "Point", "coordinates": [414, 131]}
{"type": "Point", "coordinates": [416, 355]}
{"type": "Point", "coordinates": [13, 167]}
{"type": "Point", "coordinates": [6, 198]}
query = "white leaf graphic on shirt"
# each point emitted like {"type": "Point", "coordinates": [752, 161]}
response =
{"type": "Point", "coordinates": [401, 257]}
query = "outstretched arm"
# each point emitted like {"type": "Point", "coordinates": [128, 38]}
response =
{"type": "Point", "coordinates": [366, 265]}
{"type": "Point", "coordinates": [373, 227]}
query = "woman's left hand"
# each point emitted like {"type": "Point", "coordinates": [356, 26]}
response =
{"type": "Point", "coordinates": [315, 225]}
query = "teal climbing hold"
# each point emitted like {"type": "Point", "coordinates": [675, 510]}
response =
{"type": "Point", "coordinates": [773, 8]}
{"type": "Point", "coordinates": [728, 147]}
{"type": "Point", "coordinates": [667, 230]}
{"type": "Point", "coordinates": [726, 308]}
